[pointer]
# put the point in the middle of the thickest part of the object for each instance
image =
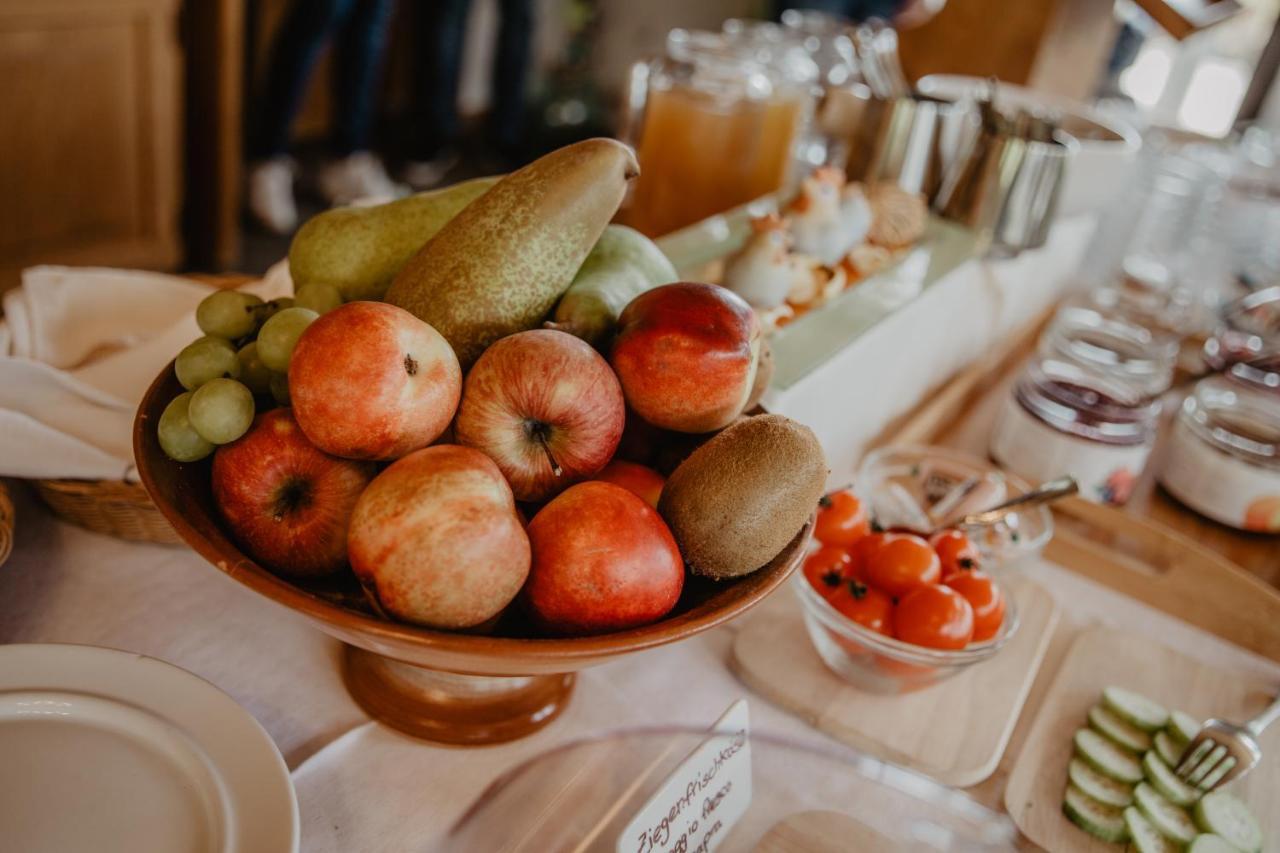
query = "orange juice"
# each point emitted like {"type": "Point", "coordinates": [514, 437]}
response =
{"type": "Point", "coordinates": [701, 153]}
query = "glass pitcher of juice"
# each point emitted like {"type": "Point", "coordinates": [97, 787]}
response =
{"type": "Point", "coordinates": [715, 123]}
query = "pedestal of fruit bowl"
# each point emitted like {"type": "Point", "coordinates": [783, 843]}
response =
{"type": "Point", "coordinates": [459, 688]}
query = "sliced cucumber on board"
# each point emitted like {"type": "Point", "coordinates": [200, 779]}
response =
{"type": "Point", "coordinates": [1210, 844]}
{"type": "Point", "coordinates": [1166, 783]}
{"type": "Point", "coordinates": [1121, 731]}
{"type": "Point", "coordinates": [1136, 709]}
{"type": "Point", "coordinates": [1230, 819]}
{"type": "Point", "coordinates": [1097, 819]}
{"type": "Point", "coordinates": [1107, 758]}
{"type": "Point", "coordinates": [1182, 727]}
{"type": "Point", "coordinates": [1104, 789]}
{"type": "Point", "coordinates": [1171, 820]}
{"type": "Point", "coordinates": [1169, 750]}
{"type": "Point", "coordinates": [1144, 837]}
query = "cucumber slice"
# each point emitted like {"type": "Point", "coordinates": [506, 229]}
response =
{"type": "Point", "coordinates": [1169, 750]}
{"type": "Point", "coordinates": [1145, 837]}
{"type": "Point", "coordinates": [1164, 815]}
{"type": "Point", "coordinates": [1107, 758]}
{"type": "Point", "coordinates": [1230, 819]}
{"type": "Point", "coordinates": [1097, 819]}
{"type": "Point", "coordinates": [1136, 709]}
{"type": "Point", "coordinates": [1210, 844]}
{"type": "Point", "coordinates": [1166, 784]}
{"type": "Point", "coordinates": [1127, 735]}
{"type": "Point", "coordinates": [1211, 779]}
{"type": "Point", "coordinates": [1102, 788]}
{"type": "Point", "coordinates": [1182, 727]}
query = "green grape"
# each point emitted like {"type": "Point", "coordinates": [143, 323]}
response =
{"type": "Point", "coordinates": [320, 298]}
{"type": "Point", "coordinates": [280, 388]}
{"type": "Point", "coordinates": [228, 314]}
{"type": "Point", "coordinates": [178, 439]}
{"type": "Point", "coordinates": [205, 359]}
{"type": "Point", "coordinates": [253, 373]}
{"type": "Point", "coordinates": [278, 336]}
{"type": "Point", "coordinates": [221, 410]}
{"type": "Point", "coordinates": [267, 310]}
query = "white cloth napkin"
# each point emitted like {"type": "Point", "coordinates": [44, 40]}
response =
{"type": "Point", "coordinates": [78, 348]}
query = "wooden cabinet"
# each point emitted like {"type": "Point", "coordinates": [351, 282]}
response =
{"type": "Point", "coordinates": [90, 130]}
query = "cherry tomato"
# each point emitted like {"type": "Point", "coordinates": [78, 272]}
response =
{"type": "Point", "coordinates": [986, 599]}
{"type": "Point", "coordinates": [956, 552]}
{"type": "Point", "coordinates": [900, 563]}
{"type": "Point", "coordinates": [842, 519]}
{"type": "Point", "coordinates": [869, 607]}
{"type": "Point", "coordinates": [935, 616]}
{"type": "Point", "coordinates": [825, 569]}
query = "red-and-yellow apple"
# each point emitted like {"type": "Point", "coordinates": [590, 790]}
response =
{"type": "Point", "coordinates": [287, 502]}
{"type": "Point", "coordinates": [644, 483]}
{"type": "Point", "coordinates": [603, 560]}
{"type": "Point", "coordinates": [436, 539]}
{"type": "Point", "coordinates": [369, 380]}
{"type": "Point", "coordinates": [545, 407]}
{"type": "Point", "coordinates": [685, 354]}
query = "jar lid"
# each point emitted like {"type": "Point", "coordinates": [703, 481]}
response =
{"type": "Point", "coordinates": [1087, 403]}
{"type": "Point", "coordinates": [1123, 352]}
{"type": "Point", "coordinates": [1236, 419]}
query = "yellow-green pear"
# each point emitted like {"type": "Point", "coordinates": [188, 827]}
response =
{"type": "Point", "coordinates": [359, 250]}
{"type": "Point", "coordinates": [499, 266]}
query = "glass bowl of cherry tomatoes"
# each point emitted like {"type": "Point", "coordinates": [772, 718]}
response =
{"type": "Point", "coordinates": [892, 609]}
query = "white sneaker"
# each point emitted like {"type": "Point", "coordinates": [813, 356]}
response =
{"type": "Point", "coordinates": [425, 174]}
{"type": "Point", "coordinates": [271, 195]}
{"type": "Point", "coordinates": [358, 178]}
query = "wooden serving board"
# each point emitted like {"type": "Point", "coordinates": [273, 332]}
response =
{"type": "Point", "coordinates": [1100, 657]}
{"type": "Point", "coordinates": [954, 731]}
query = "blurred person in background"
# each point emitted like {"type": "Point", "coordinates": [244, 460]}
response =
{"type": "Point", "coordinates": [439, 42]}
{"type": "Point", "coordinates": [358, 29]}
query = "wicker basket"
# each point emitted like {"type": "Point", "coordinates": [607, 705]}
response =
{"type": "Point", "coordinates": [119, 509]}
{"type": "Point", "coordinates": [6, 524]}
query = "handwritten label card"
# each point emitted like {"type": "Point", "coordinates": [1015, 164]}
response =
{"type": "Point", "coordinates": [694, 809]}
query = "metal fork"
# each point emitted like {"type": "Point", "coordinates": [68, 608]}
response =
{"type": "Point", "coordinates": [1223, 751]}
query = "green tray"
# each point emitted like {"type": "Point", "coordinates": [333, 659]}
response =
{"type": "Point", "coordinates": [806, 343]}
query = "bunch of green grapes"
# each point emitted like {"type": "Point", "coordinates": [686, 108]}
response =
{"type": "Point", "coordinates": [242, 360]}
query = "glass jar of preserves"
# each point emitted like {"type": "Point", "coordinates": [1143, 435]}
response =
{"type": "Point", "coordinates": [1078, 409]}
{"type": "Point", "coordinates": [1223, 459]}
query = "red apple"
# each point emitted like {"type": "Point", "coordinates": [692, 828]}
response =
{"type": "Point", "coordinates": [644, 483]}
{"type": "Point", "coordinates": [603, 560]}
{"type": "Point", "coordinates": [287, 502]}
{"type": "Point", "coordinates": [369, 380]}
{"type": "Point", "coordinates": [685, 354]}
{"type": "Point", "coordinates": [546, 407]}
{"type": "Point", "coordinates": [436, 539]}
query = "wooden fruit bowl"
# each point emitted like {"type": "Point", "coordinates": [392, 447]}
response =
{"type": "Point", "coordinates": [451, 687]}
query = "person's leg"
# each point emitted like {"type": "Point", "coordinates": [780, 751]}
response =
{"type": "Point", "coordinates": [511, 67]}
{"type": "Point", "coordinates": [358, 62]}
{"type": "Point", "coordinates": [441, 27]}
{"type": "Point", "coordinates": [297, 45]}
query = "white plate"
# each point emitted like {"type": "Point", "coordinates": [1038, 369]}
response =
{"type": "Point", "coordinates": [105, 751]}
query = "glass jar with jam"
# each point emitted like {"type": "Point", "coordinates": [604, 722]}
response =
{"type": "Point", "coordinates": [1223, 459]}
{"type": "Point", "coordinates": [1087, 405]}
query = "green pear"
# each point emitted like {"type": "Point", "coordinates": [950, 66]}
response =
{"type": "Point", "coordinates": [499, 266]}
{"type": "Point", "coordinates": [359, 250]}
{"type": "Point", "coordinates": [623, 264]}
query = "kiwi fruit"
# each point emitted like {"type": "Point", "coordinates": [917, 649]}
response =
{"type": "Point", "coordinates": [764, 375]}
{"type": "Point", "coordinates": [737, 501]}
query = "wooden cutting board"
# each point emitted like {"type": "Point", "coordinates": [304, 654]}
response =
{"type": "Point", "coordinates": [955, 731]}
{"type": "Point", "coordinates": [1103, 656]}
{"type": "Point", "coordinates": [821, 832]}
